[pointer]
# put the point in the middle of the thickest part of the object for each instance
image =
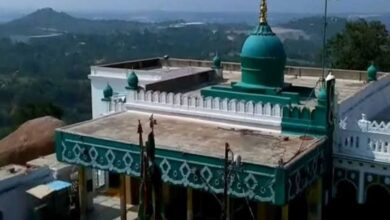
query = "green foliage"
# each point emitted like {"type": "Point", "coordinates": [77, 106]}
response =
{"type": "Point", "coordinates": [360, 43]}
{"type": "Point", "coordinates": [35, 110]}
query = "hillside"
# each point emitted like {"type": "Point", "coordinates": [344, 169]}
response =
{"type": "Point", "coordinates": [47, 21]}
{"type": "Point", "coordinates": [314, 26]}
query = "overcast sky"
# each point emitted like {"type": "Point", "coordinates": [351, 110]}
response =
{"type": "Point", "coordinates": [310, 6]}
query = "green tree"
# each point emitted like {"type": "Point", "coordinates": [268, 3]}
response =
{"type": "Point", "coordinates": [35, 110]}
{"type": "Point", "coordinates": [360, 43]}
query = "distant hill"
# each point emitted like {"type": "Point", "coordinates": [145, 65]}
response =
{"type": "Point", "coordinates": [313, 26]}
{"type": "Point", "coordinates": [48, 21]}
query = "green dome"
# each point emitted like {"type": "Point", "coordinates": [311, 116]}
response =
{"type": "Point", "coordinates": [263, 59]}
{"type": "Point", "coordinates": [108, 92]}
{"type": "Point", "coordinates": [132, 81]}
{"type": "Point", "coordinates": [372, 72]}
{"type": "Point", "coordinates": [217, 62]}
{"type": "Point", "coordinates": [322, 96]}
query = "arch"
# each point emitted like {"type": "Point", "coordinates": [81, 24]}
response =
{"type": "Point", "coordinates": [377, 187]}
{"type": "Point", "coordinates": [377, 201]}
{"type": "Point", "coordinates": [344, 203]}
{"type": "Point", "coordinates": [343, 190]}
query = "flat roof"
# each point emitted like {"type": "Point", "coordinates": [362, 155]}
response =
{"type": "Point", "coordinates": [199, 137]}
{"type": "Point", "coordinates": [11, 170]}
{"type": "Point", "coordinates": [49, 161]}
{"type": "Point", "coordinates": [344, 87]}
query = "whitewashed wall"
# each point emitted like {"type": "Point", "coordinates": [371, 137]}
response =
{"type": "Point", "coordinates": [371, 100]}
{"type": "Point", "coordinates": [97, 86]}
{"type": "Point", "coordinates": [215, 109]}
{"type": "Point", "coordinates": [371, 141]}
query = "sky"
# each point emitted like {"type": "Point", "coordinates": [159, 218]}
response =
{"type": "Point", "coordinates": [294, 6]}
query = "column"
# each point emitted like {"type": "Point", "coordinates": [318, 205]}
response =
{"type": "Point", "coordinates": [285, 212]}
{"type": "Point", "coordinates": [261, 211]}
{"type": "Point", "coordinates": [129, 199]}
{"type": "Point", "coordinates": [122, 193]}
{"type": "Point", "coordinates": [82, 193]}
{"type": "Point", "coordinates": [190, 212]}
{"type": "Point", "coordinates": [228, 210]}
{"type": "Point", "coordinates": [361, 193]}
{"type": "Point", "coordinates": [314, 201]}
{"type": "Point", "coordinates": [166, 196]}
{"type": "Point", "coordinates": [89, 188]}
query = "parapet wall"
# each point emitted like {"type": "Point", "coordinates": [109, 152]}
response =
{"type": "Point", "coordinates": [289, 70]}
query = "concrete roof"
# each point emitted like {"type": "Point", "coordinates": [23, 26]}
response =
{"type": "Point", "coordinates": [345, 88]}
{"type": "Point", "coordinates": [48, 161]}
{"type": "Point", "coordinates": [11, 170]}
{"type": "Point", "coordinates": [197, 136]}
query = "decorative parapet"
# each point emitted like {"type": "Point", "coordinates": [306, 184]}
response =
{"type": "Point", "coordinates": [207, 107]}
{"type": "Point", "coordinates": [304, 120]}
{"type": "Point", "coordinates": [115, 104]}
{"type": "Point", "coordinates": [371, 142]}
{"type": "Point", "coordinates": [374, 126]}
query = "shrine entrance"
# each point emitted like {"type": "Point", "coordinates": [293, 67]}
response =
{"type": "Point", "coordinates": [344, 205]}
{"type": "Point", "coordinates": [377, 202]}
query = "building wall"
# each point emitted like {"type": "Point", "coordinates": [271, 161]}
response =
{"type": "Point", "coordinates": [14, 201]}
{"type": "Point", "coordinates": [371, 100]}
{"type": "Point", "coordinates": [97, 86]}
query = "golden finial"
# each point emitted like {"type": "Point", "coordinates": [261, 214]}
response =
{"type": "Point", "coordinates": [263, 12]}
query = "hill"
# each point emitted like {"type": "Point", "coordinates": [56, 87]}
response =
{"type": "Point", "coordinates": [313, 26]}
{"type": "Point", "coordinates": [48, 21]}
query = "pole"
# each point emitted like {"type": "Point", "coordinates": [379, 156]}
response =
{"type": "Point", "coordinates": [225, 188]}
{"type": "Point", "coordinates": [324, 40]}
{"type": "Point", "coordinates": [123, 197]}
{"type": "Point", "coordinates": [82, 193]}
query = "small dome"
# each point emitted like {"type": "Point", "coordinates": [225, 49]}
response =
{"type": "Point", "coordinates": [217, 62]}
{"type": "Point", "coordinates": [263, 59]}
{"type": "Point", "coordinates": [132, 80]}
{"type": "Point", "coordinates": [372, 71]}
{"type": "Point", "coordinates": [108, 92]}
{"type": "Point", "coordinates": [322, 96]}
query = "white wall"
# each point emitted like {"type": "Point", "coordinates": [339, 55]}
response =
{"type": "Point", "coordinates": [97, 86]}
{"type": "Point", "coordinates": [371, 100]}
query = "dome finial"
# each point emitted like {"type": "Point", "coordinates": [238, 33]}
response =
{"type": "Point", "coordinates": [263, 12]}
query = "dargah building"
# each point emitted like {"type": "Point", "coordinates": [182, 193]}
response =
{"type": "Point", "coordinates": [190, 139]}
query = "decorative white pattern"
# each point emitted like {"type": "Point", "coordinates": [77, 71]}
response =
{"type": "Point", "coordinates": [100, 162]}
{"type": "Point", "coordinates": [371, 142]}
{"type": "Point", "coordinates": [174, 170]}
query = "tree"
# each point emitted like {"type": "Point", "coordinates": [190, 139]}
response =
{"type": "Point", "coordinates": [35, 110]}
{"type": "Point", "coordinates": [359, 44]}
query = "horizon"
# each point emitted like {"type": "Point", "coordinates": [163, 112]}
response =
{"type": "Point", "coordinates": [230, 6]}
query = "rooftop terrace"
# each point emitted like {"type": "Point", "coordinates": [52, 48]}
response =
{"type": "Point", "coordinates": [198, 137]}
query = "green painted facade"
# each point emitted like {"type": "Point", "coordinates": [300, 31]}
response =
{"type": "Point", "coordinates": [276, 185]}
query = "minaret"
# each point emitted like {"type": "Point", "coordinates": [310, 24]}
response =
{"type": "Point", "coordinates": [263, 12]}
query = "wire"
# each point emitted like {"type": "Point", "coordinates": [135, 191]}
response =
{"type": "Point", "coordinates": [306, 129]}
{"type": "Point", "coordinates": [209, 186]}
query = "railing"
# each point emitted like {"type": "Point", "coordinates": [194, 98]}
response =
{"type": "Point", "coordinates": [371, 142]}
{"type": "Point", "coordinates": [211, 108]}
{"type": "Point", "coordinates": [116, 104]}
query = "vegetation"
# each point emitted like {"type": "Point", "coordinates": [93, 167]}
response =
{"type": "Point", "coordinates": [48, 75]}
{"type": "Point", "coordinates": [360, 43]}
